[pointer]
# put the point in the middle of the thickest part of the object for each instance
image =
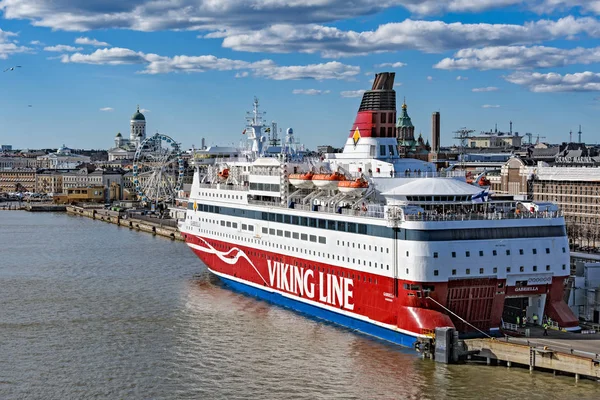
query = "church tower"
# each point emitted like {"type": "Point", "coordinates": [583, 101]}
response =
{"type": "Point", "coordinates": [405, 132]}
{"type": "Point", "coordinates": [138, 126]}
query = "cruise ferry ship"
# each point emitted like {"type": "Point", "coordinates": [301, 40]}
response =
{"type": "Point", "coordinates": [370, 240]}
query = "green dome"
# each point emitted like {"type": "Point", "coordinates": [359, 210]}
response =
{"type": "Point", "coordinates": [119, 134]}
{"type": "Point", "coordinates": [138, 116]}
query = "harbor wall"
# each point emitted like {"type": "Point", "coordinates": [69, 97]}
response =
{"type": "Point", "coordinates": [117, 218]}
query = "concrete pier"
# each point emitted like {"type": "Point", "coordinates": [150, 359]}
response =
{"type": "Point", "coordinates": [156, 228]}
{"type": "Point", "coordinates": [563, 352]}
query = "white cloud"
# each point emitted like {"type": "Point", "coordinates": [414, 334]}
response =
{"type": "Point", "coordinates": [425, 36]}
{"type": "Point", "coordinates": [430, 78]}
{"type": "Point", "coordinates": [8, 45]}
{"type": "Point", "coordinates": [36, 43]}
{"type": "Point", "coordinates": [310, 92]}
{"type": "Point", "coordinates": [519, 57]}
{"type": "Point", "coordinates": [352, 93]}
{"type": "Point", "coordinates": [107, 109]}
{"type": "Point", "coordinates": [397, 84]}
{"type": "Point", "coordinates": [156, 64]}
{"type": "Point", "coordinates": [243, 74]}
{"type": "Point", "coordinates": [549, 6]}
{"type": "Point", "coordinates": [462, 78]}
{"type": "Point", "coordinates": [144, 110]}
{"type": "Point", "coordinates": [485, 89]}
{"type": "Point", "coordinates": [553, 82]}
{"type": "Point", "coordinates": [391, 65]}
{"type": "Point", "coordinates": [90, 42]}
{"type": "Point", "coordinates": [490, 106]}
{"type": "Point", "coordinates": [62, 48]}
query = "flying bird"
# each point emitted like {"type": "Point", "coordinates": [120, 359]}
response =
{"type": "Point", "coordinates": [12, 68]}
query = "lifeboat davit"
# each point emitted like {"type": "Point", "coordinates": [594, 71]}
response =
{"type": "Point", "coordinates": [355, 187]}
{"type": "Point", "coordinates": [302, 181]}
{"type": "Point", "coordinates": [224, 174]}
{"type": "Point", "coordinates": [328, 181]}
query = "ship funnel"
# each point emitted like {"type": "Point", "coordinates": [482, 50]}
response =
{"type": "Point", "coordinates": [376, 115]}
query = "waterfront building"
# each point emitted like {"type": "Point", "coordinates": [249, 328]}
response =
{"type": "Point", "coordinates": [50, 180]}
{"type": "Point", "coordinates": [63, 158]}
{"type": "Point", "coordinates": [91, 176]}
{"type": "Point", "coordinates": [496, 139]}
{"type": "Point", "coordinates": [92, 194]}
{"type": "Point", "coordinates": [14, 162]}
{"type": "Point", "coordinates": [6, 147]}
{"type": "Point", "coordinates": [125, 148]}
{"type": "Point", "coordinates": [17, 180]}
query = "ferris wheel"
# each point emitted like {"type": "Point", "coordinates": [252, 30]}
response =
{"type": "Point", "coordinates": [157, 169]}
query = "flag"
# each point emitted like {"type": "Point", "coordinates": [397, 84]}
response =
{"type": "Point", "coordinates": [244, 132]}
{"type": "Point", "coordinates": [480, 197]}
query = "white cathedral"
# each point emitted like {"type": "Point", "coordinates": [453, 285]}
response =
{"type": "Point", "coordinates": [125, 148]}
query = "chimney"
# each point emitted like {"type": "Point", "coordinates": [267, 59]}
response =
{"type": "Point", "coordinates": [435, 132]}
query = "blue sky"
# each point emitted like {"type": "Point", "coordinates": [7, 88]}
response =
{"type": "Point", "coordinates": [195, 66]}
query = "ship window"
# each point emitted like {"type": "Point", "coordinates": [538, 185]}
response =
{"type": "Point", "coordinates": [468, 271]}
{"type": "Point", "coordinates": [382, 150]}
{"type": "Point", "coordinates": [295, 220]}
{"type": "Point", "coordinates": [480, 253]}
{"type": "Point", "coordinates": [507, 269]}
{"type": "Point", "coordinates": [521, 269]}
{"type": "Point", "coordinates": [341, 226]}
{"type": "Point", "coordinates": [222, 223]}
{"type": "Point", "coordinates": [534, 268]}
{"type": "Point", "coordinates": [468, 253]}
{"type": "Point", "coordinates": [286, 219]}
{"type": "Point", "coordinates": [322, 223]}
{"type": "Point", "coordinates": [453, 272]}
{"type": "Point", "coordinates": [547, 250]}
{"type": "Point", "coordinates": [388, 267]}
{"type": "Point", "coordinates": [564, 267]}
{"type": "Point", "coordinates": [271, 217]}
{"type": "Point", "coordinates": [331, 225]}
{"type": "Point", "coordinates": [481, 270]}
{"type": "Point", "coordinates": [382, 131]}
{"type": "Point", "coordinates": [251, 228]}
{"type": "Point", "coordinates": [303, 221]}
{"type": "Point", "coordinates": [521, 251]}
{"type": "Point", "coordinates": [387, 250]}
{"type": "Point", "coordinates": [373, 118]}
{"type": "Point", "coordinates": [303, 236]}
{"type": "Point", "coordinates": [373, 131]}
{"type": "Point", "coordinates": [495, 270]}
{"type": "Point", "coordinates": [375, 248]}
{"type": "Point", "coordinates": [547, 268]}
{"type": "Point", "coordinates": [312, 222]}
{"type": "Point", "coordinates": [313, 238]}
{"type": "Point", "coordinates": [453, 254]}
{"type": "Point", "coordinates": [534, 251]}
{"type": "Point", "coordinates": [362, 229]}
{"type": "Point", "coordinates": [322, 240]}
{"type": "Point", "coordinates": [265, 230]}
{"type": "Point", "coordinates": [383, 118]}
{"type": "Point", "coordinates": [494, 253]}
{"type": "Point", "coordinates": [279, 232]}
{"type": "Point", "coordinates": [564, 250]}
{"type": "Point", "coordinates": [351, 227]}
{"type": "Point", "coordinates": [229, 224]}
{"type": "Point", "coordinates": [436, 272]}
{"type": "Point", "coordinates": [279, 218]}
{"type": "Point", "coordinates": [508, 252]}
{"type": "Point", "coordinates": [407, 254]}
{"type": "Point", "coordinates": [244, 227]}
{"type": "Point", "coordinates": [234, 224]}
{"type": "Point", "coordinates": [271, 231]}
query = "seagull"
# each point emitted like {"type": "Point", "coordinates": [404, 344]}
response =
{"type": "Point", "coordinates": [12, 68]}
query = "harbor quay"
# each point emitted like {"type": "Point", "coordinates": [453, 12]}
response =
{"type": "Point", "coordinates": [155, 226]}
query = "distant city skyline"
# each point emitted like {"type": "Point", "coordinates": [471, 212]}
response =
{"type": "Point", "coordinates": [194, 67]}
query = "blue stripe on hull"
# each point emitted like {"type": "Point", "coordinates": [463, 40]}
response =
{"type": "Point", "coordinates": [349, 322]}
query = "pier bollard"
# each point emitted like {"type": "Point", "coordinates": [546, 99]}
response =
{"type": "Point", "coordinates": [488, 361]}
{"type": "Point", "coordinates": [576, 377]}
{"type": "Point", "coordinates": [508, 364]}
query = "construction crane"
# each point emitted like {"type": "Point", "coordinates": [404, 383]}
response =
{"type": "Point", "coordinates": [537, 140]}
{"type": "Point", "coordinates": [529, 135]}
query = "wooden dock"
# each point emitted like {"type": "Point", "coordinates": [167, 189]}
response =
{"type": "Point", "coordinates": [560, 352]}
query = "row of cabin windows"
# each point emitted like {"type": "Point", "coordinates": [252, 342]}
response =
{"type": "Point", "coordinates": [266, 187]}
{"type": "Point", "coordinates": [438, 198]}
{"type": "Point", "coordinates": [302, 236]}
{"type": "Point", "coordinates": [383, 132]}
{"type": "Point", "coordinates": [342, 226]}
{"type": "Point", "coordinates": [294, 235]}
{"type": "Point", "coordinates": [385, 118]}
{"type": "Point", "coordinates": [494, 252]}
{"type": "Point", "coordinates": [357, 245]}
{"type": "Point", "coordinates": [221, 195]}
{"type": "Point", "coordinates": [495, 270]}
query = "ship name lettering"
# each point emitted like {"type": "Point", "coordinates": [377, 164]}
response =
{"type": "Point", "coordinates": [334, 290]}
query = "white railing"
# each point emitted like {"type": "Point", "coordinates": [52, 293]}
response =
{"type": "Point", "coordinates": [474, 216]}
{"type": "Point", "coordinates": [510, 326]}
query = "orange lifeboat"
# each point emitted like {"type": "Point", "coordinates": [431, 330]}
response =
{"type": "Point", "coordinates": [224, 174]}
{"type": "Point", "coordinates": [355, 187]}
{"type": "Point", "coordinates": [328, 181]}
{"type": "Point", "coordinates": [302, 181]}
